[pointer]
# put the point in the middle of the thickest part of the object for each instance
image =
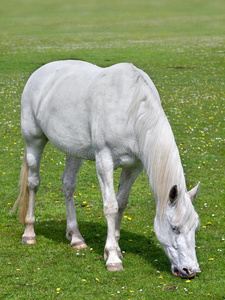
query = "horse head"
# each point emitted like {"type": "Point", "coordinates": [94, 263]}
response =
{"type": "Point", "coordinates": [175, 229]}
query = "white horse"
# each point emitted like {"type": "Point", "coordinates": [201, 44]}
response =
{"type": "Point", "coordinates": [113, 116]}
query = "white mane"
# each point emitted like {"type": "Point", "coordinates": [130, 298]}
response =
{"type": "Point", "coordinates": [158, 150]}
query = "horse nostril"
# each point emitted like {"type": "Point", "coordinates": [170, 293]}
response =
{"type": "Point", "coordinates": [186, 271]}
{"type": "Point", "coordinates": [176, 272]}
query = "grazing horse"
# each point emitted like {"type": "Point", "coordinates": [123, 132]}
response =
{"type": "Point", "coordinates": [113, 116]}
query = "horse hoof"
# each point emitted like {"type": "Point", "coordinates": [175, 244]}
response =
{"type": "Point", "coordinates": [28, 240]}
{"type": "Point", "coordinates": [115, 267]}
{"type": "Point", "coordinates": [79, 245]}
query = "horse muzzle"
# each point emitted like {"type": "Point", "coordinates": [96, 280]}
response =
{"type": "Point", "coordinates": [185, 273]}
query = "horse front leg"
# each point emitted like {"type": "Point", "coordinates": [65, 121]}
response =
{"type": "Point", "coordinates": [127, 178]}
{"type": "Point", "coordinates": [104, 165]}
{"type": "Point", "coordinates": [69, 180]}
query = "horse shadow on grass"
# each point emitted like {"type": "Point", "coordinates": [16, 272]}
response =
{"type": "Point", "coordinates": [95, 237]}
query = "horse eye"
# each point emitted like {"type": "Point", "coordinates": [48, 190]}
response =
{"type": "Point", "coordinates": [175, 229]}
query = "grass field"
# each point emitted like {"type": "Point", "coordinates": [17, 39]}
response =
{"type": "Point", "coordinates": [181, 46]}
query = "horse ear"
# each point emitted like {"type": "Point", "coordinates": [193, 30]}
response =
{"type": "Point", "coordinates": [194, 192]}
{"type": "Point", "coordinates": [173, 194]}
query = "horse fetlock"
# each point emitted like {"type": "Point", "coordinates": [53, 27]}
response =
{"type": "Point", "coordinates": [72, 232]}
{"type": "Point", "coordinates": [29, 227]}
{"type": "Point", "coordinates": [112, 256]}
{"type": "Point", "coordinates": [69, 235]}
{"type": "Point", "coordinates": [113, 262]}
{"type": "Point", "coordinates": [77, 241]}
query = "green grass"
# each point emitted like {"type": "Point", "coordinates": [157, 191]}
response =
{"type": "Point", "coordinates": [181, 46]}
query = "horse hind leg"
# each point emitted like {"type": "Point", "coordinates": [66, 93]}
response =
{"type": "Point", "coordinates": [27, 204]}
{"type": "Point", "coordinates": [127, 178]}
{"type": "Point", "coordinates": [69, 180]}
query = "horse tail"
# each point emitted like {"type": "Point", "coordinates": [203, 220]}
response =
{"type": "Point", "coordinates": [23, 198]}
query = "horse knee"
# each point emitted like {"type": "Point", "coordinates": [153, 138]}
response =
{"type": "Point", "coordinates": [111, 208]}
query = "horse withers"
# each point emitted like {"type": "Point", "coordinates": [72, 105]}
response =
{"type": "Point", "coordinates": [113, 116]}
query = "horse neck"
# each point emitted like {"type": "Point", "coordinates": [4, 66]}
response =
{"type": "Point", "coordinates": [156, 145]}
{"type": "Point", "coordinates": [161, 159]}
